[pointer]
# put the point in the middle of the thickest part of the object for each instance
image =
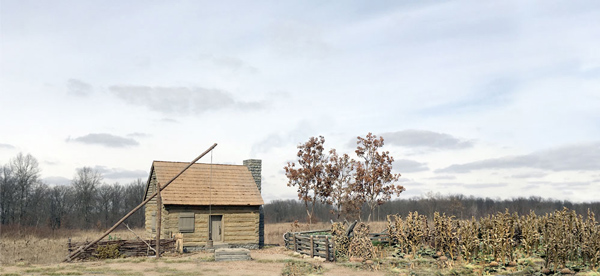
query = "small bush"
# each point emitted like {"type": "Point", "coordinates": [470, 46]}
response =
{"type": "Point", "coordinates": [109, 251]}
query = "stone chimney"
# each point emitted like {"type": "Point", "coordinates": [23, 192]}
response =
{"type": "Point", "coordinates": [255, 168]}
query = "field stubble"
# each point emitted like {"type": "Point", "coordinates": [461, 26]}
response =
{"type": "Point", "coordinates": [29, 246]}
{"type": "Point", "coordinates": [32, 246]}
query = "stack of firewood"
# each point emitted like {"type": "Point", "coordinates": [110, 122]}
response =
{"type": "Point", "coordinates": [127, 248]}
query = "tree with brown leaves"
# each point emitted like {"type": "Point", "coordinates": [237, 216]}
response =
{"type": "Point", "coordinates": [340, 174]}
{"type": "Point", "coordinates": [374, 177]}
{"type": "Point", "coordinates": [310, 176]}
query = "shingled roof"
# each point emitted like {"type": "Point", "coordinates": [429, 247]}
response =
{"type": "Point", "coordinates": [230, 184]}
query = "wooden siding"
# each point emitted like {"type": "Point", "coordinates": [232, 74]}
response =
{"type": "Point", "coordinates": [240, 224]}
{"type": "Point", "coordinates": [151, 210]}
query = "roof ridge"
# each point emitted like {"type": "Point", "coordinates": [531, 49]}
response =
{"type": "Point", "coordinates": [180, 162]}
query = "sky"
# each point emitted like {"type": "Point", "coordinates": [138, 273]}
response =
{"type": "Point", "coordinates": [496, 99]}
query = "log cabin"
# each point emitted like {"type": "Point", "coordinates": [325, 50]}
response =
{"type": "Point", "coordinates": [216, 201]}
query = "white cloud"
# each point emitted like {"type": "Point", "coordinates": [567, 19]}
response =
{"type": "Point", "coordinates": [584, 156]}
{"type": "Point", "coordinates": [529, 175]}
{"type": "Point", "coordinates": [414, 138]}
{"type": "Point", "coordinates": [299, 134]}
{"type": "Point", "coordinates": [120, 173]}
{"type": "Point", "coordinates": [408, 166]}
{"type": "Point", "coordinates": [79, 88]}
{"type": "Point", "coordinates": [105, 139]}
{"type": "Point", "coordinates": [180, 100]}
{"type": "Point", "coordinates": [6, 146]}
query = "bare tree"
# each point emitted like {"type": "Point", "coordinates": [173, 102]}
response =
{"type": "Point", "coordinates": [26, 174]}
{"type": "Point", "coordinates": [134, 195]}
{"type": "Point", "coordinates": [25, 200]}
{"type": "Point", "coordinates": [117, 210]}
{"type": "Point", "coordinates": [85, 184]}
{"type": "Point", "coordinates": [7, 195]}
{"type": "Point", "coordinates": [104, 193]}
{"type": "Point", "coordinates": [59, 199]}
{"type": "Point", "coordinates": [36, 215]}
{"type": "Point", "coordinates": [374, 177]}
{"type": "Point", "coordinates": [340, 174]}
{"type": "Point", "coordinates": [310, 177]}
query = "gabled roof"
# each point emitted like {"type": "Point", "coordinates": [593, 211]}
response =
{"type": "Point", "coordinates": [230, 184]}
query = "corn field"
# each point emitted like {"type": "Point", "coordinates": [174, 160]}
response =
{"type": "Point", "coordinates": [562, 238]}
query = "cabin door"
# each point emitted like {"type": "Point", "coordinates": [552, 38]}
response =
{"type": "Point", "coordinates": [216, 222]}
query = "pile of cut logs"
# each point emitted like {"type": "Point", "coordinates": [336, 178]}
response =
{"type": "Point", "coordinates": [127, 248]}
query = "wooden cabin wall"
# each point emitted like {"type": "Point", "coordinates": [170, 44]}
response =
{"type": "Point", "coordinates": [150, 207]}
{"type": "Point", "coordinates": [240, 224]}
{"type": "Point", "coordinates": [151, 212]}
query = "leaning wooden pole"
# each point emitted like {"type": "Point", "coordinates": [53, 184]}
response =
{"type": "Point", "coordinates": [158, 218]}
{"type": "Point", "coordinates": [82, 249]}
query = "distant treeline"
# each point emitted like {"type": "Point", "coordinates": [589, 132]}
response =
{"type": "Point", "coordinates": [87, 203]}
{"type": "Point", "coordinates": [460, 206]}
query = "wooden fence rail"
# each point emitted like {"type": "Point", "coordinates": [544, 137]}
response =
{"type": "Point", "coordinates": [321, 245]}
{"type": "Point", "coordinates": [311, 245]}
{"type": "Point", "coordinates": [129, 248]}
{"type": "Point", "coordinates": [383, 238]}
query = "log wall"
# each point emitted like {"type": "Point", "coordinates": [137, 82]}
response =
{"type": "Point", "coordinates": [240, 224]}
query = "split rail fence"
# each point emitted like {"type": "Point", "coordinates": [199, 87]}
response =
{"type": "Point", "coordinates": [129, 248]}
{"type": "Point", "coordinates": [311, 244]}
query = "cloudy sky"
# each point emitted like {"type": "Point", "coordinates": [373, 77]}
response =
{"type": "Point", "coordinates": [488, 98]}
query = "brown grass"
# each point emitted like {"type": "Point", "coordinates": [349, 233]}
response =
{"type": "Point", "coordinates": [42, 246]}
{"type": "Point", "coordinates": [23, 248]}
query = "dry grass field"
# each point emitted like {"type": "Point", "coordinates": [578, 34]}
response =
{"type": "Point", "coordinates": [271, 261]}
{"type": "Point", "coordinates": [31, 253]}
{"type": "Point", "coordinates": [31, 247]}
{"type": "Point", "coordinates": [24, 253]}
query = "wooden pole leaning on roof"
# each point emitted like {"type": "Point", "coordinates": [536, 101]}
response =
{"type": "Point", "coordinates": [82, 249]}
{"type": "Point", "coordinates": [158, 218]}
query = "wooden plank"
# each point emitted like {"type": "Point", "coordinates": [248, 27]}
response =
{"type": "Point", "coordinates": [313, 231]}
{"type": "Point", "coordinates": [295, 243]}
{"type": "Point", "coordinates": [312, 247]}
{"type": "Point", "coordinates": [233, 253]}
{"type": "Point", "coordinates": [158, 220]}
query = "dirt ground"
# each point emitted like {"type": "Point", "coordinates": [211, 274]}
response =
{"type": "Point", "coordinates": [270, 261]}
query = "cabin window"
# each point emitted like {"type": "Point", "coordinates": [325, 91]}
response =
{"type": "Point", "coordinates": [186, 222]}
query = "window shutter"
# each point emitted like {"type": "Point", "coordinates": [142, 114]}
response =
{"type": "Point", "coordinates": [186, 222]}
